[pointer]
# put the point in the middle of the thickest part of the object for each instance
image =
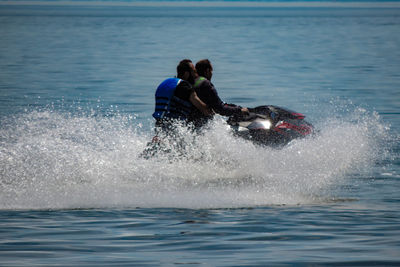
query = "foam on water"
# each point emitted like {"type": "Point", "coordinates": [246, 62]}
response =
{"type": "Point", "coordinates": [55, 160]}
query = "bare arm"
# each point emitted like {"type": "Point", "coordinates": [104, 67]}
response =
{"type": "Point", "coordinates": [200, 105]}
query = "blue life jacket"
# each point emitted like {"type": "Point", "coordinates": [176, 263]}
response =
{"type": "Point", "coordinates": [167, 104]}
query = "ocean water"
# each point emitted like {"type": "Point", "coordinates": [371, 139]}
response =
{"type": "Point", "coordinates": [77, 90]}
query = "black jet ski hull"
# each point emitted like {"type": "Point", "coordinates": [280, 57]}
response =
{"type": "Point", "coordinates": [271, 125]}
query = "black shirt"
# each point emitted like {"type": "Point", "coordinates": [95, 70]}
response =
{"type": "Point", "coordinates": [208, 94]}
{"type": "Point", "coordinates": [184, 90]}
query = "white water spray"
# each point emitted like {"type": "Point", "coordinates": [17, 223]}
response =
{"type": "Point", "coordinates": [51, 160]}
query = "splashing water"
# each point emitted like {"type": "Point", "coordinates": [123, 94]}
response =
{"type": "Point", "coordinates": [52, 160]}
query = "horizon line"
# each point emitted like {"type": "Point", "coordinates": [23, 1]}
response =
{"type": "Point", "coordinates": [153, 3]}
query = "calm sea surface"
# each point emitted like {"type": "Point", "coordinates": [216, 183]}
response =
{"type": "Point", "coordinates": [76, 96]}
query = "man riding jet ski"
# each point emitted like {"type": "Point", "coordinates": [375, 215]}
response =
{"type": "Point", "coordinates": [264, 125]}
{"type": "Point", "coordinates": [270, 125]}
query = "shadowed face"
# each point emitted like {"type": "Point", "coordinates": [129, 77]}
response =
{"type": "Point", "coordinates": [191, 75]}
{"type": "Point", "coordinates": [208, 73]}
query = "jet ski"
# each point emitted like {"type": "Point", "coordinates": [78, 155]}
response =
{"type": "Point", "coordinates": [270, 125]}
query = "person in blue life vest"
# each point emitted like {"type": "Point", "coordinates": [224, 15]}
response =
{"type": "Point", "coordinates": [176, 98]}
{"type": "Point", "coordinates": [208, 94]}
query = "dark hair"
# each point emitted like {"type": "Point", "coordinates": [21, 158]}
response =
{"type": "Point", "coordinates": [183, 67]}
{"type": "Point", "coordinates": [202, 66]}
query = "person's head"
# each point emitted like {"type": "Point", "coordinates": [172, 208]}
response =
{"type": "Point", "coordinates": [204, 68]}
{"type": "Point", "coordinates": [186, 71]}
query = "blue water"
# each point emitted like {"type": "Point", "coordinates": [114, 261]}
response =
{"type": "Point", "coordinates": [77, 92]}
